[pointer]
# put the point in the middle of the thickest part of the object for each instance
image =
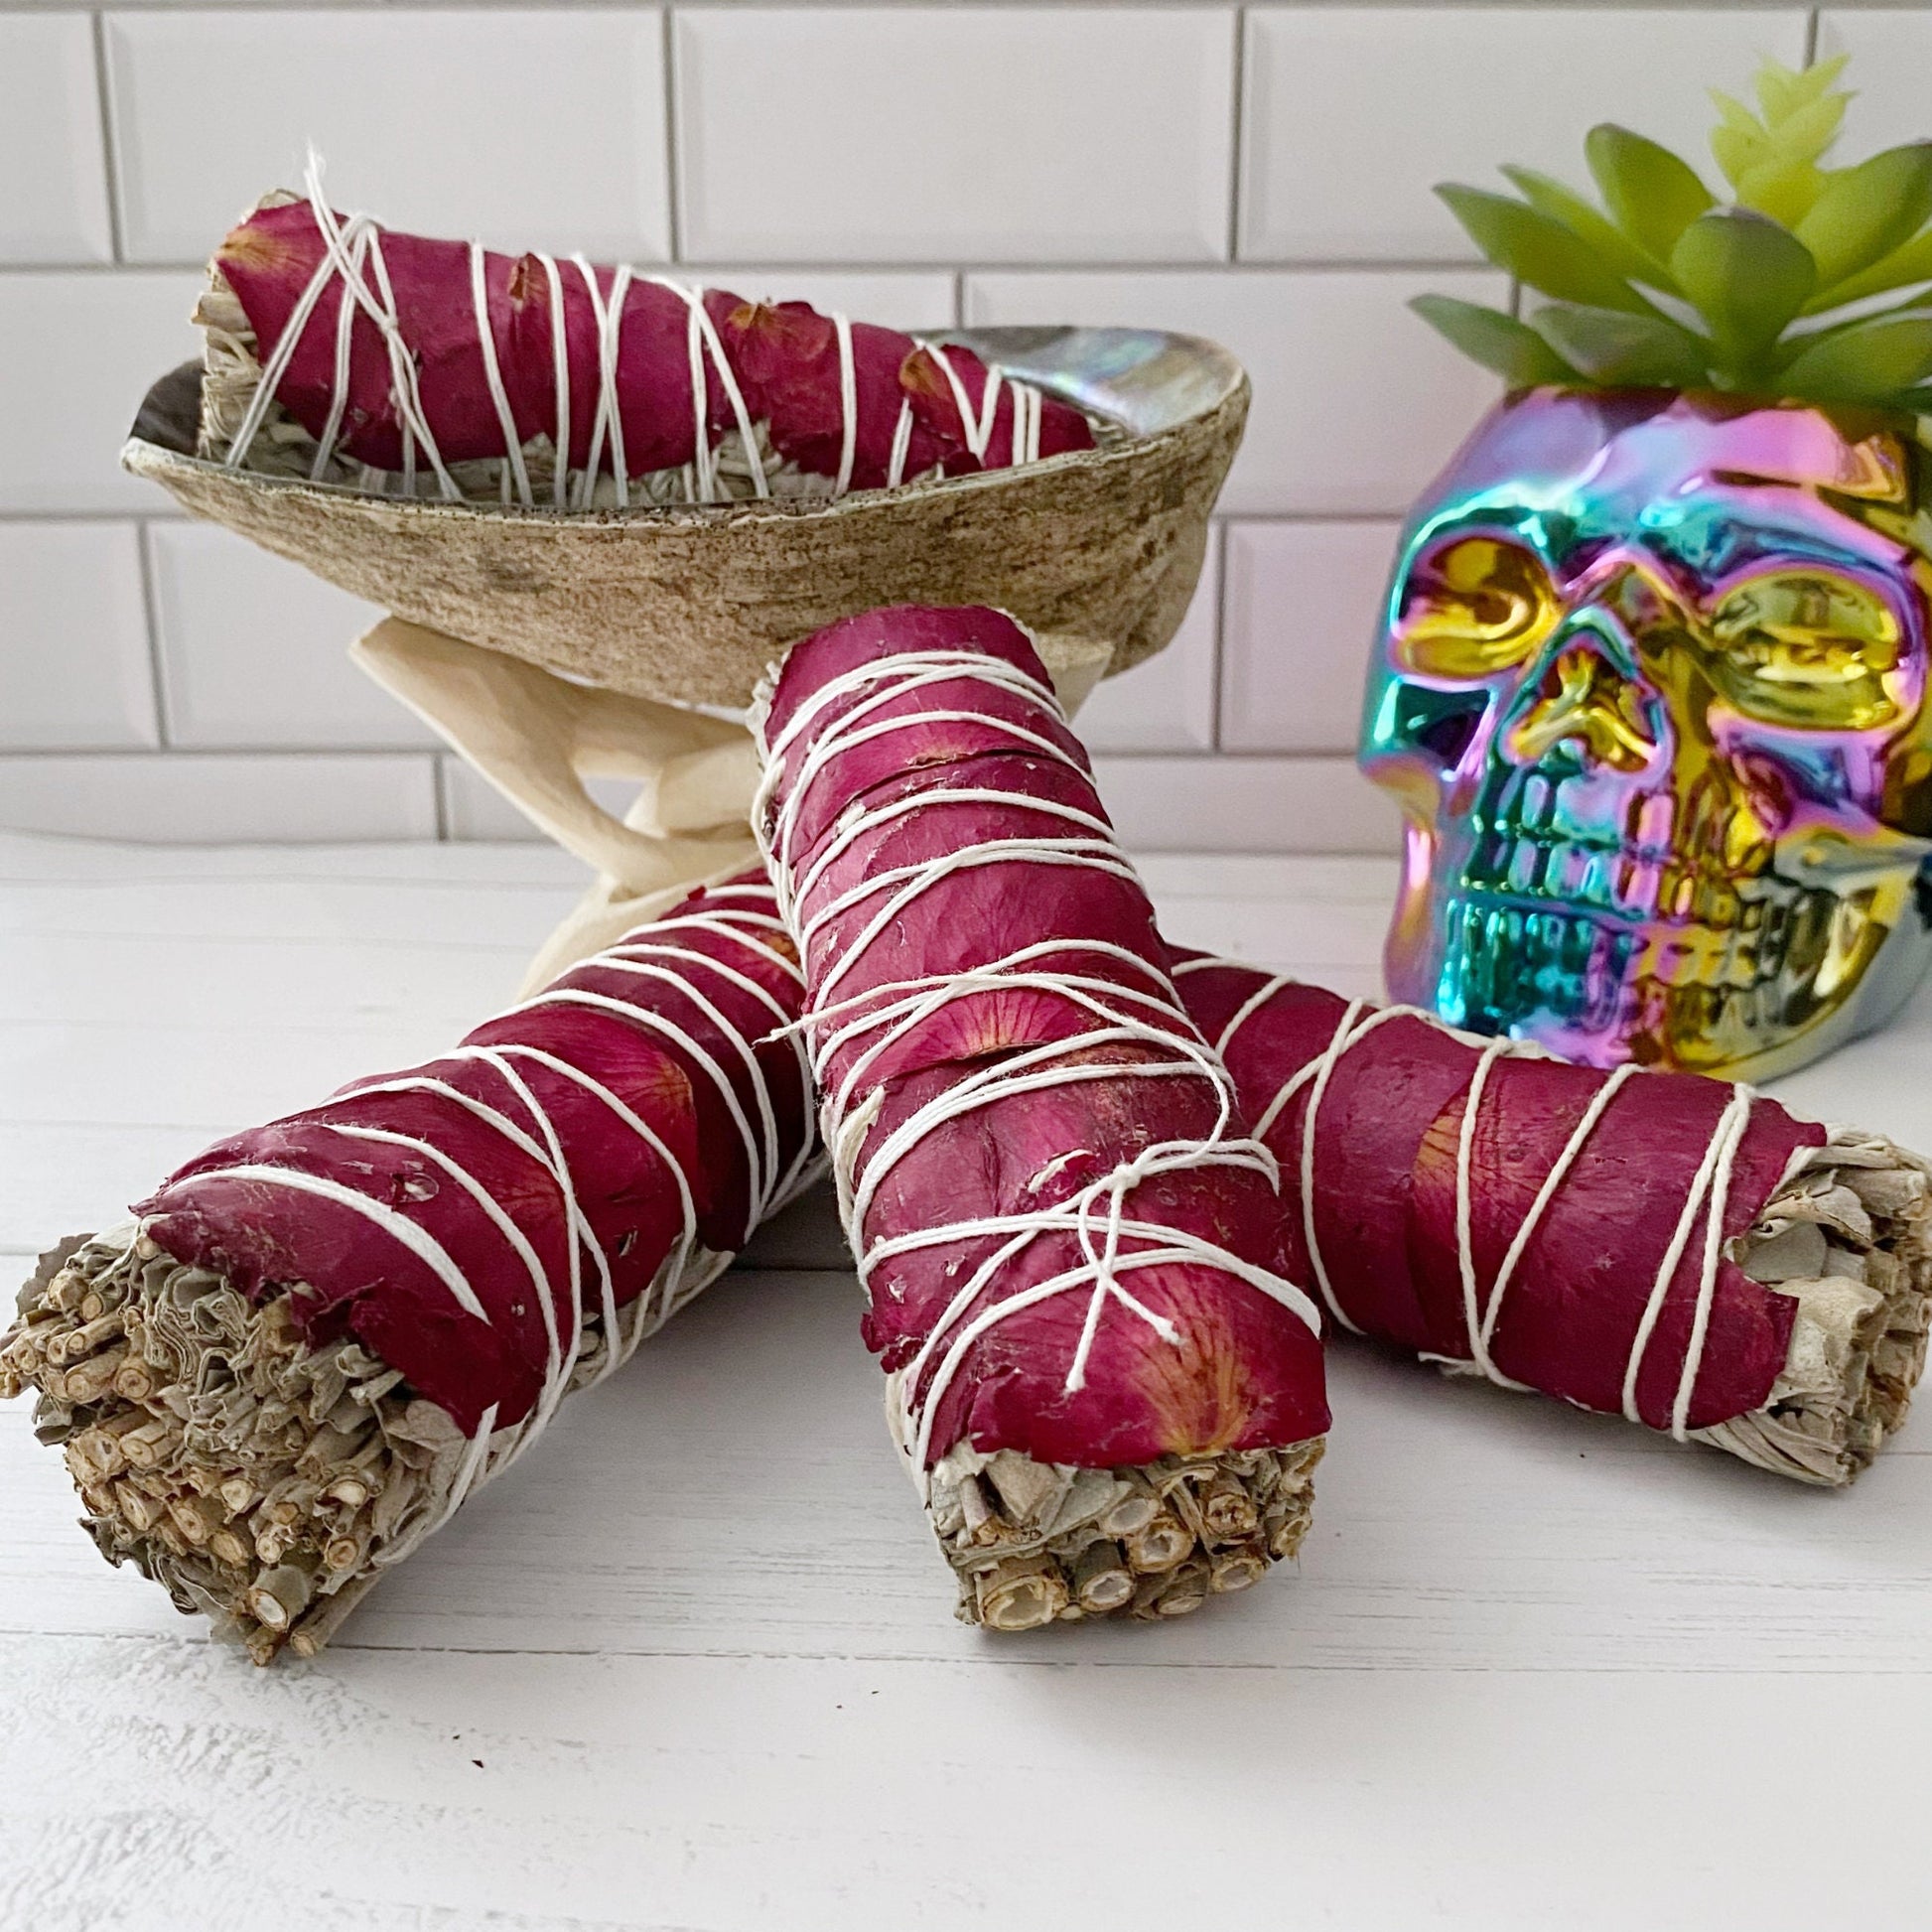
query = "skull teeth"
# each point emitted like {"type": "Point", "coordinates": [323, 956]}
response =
{"type": "Point", "coordinates": [1625, 882]}
{"type": "Point", "coordinates": [1510, 956]}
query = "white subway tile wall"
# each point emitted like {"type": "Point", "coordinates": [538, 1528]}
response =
{"type": "Point", "coordinates": [77, 351]}
{"type": "Point", "coordinates": [54, 207]}
{"type": "Point", "coordinates": [1353, 112]}
{"type": "Point", "coordinates": [546, 125]}
{"type": "Point", "coordinates": [1167, 705]}
{"type": "Point", "coordinates": [1258, 175]}
{"type": "Point", "coordinates": [1300, 611]}
{"type": "Point", "coordinates": [74, 670]}
{"type": "Point", "coordinates": [254, 651]}
{"type": "Point", "coordinates": [1891, 54]}
{"type": "Point", "coordinates": [196, 797]}
{"type": "Point", "coordinates": [1048, 134]}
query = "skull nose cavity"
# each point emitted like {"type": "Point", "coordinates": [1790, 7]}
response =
{"type": "Point", "coordinates": [1584, 703]}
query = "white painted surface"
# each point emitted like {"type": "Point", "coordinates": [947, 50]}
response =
{"type": "Point", "coordinates": [73, 639]}
{"type": "Point", "coordinates": [932, 133]}
{"type": "Point", "coordinates": [535, 129]}
{"type": "Point", "coordinates": [1167, 702]}
{"type": "Point", "coordinates": [1891, 54]}
{"type": "Point", "coordinates": [1352, 110]}
{"type": "Point", "coordinates": [77, 352]}
{"type": "Point", "coordinates": [1302, 616]}
{"type": "Point", "coordinates": [254, 650]}
{"type": "Point", "coordinates": [692, 1666]}
{"type": "Point", "coordinates": [1246, 804]}
{"type": "Point", "coordinates": [189, 798]}
{"type": "Point", "coordinates": [55, 205]}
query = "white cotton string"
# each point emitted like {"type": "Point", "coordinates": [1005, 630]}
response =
{"type": "Point", "coordinates": [1346, 1034]}
{"type": "Point", "coordinates": [741, 413]}
{"type": "Point", "coordinates": [976, 426]}
{"type": "Point", "coordinates": [561, 1300]}
{"type": "Point", "coordinates": [400, 1229]}
{"type": "Point", "coordinates": [703, 478]}
{"type": "Point", "coordinates": [609, 419]}
{"type": "Point", "coordinates": [468, 1475]}
{"type": "Point", "coordinates": [1112, 1243]}
{"type": "Point", "coordinates": [916, 1002]}
{"type": "Point", "coordinates": [1736, 1109]}
{"type": "Point", "coordinates": [556, 1307]}
{"type": "Point", "coordinates": [900, 677]}
{"type": "Point", "coordinates": [1466, 1260]}
{"type": "Point", "coordinates": [968, 421]}
{"type": "Point", "coordinates": [379, 305]}
{"type": "Point", "coordinates": [352, 254]}
{"type": "Point", "coordinates": [560, 371]}
{"type": "Point", "coordinates": [901, 447]}
{"type": "Point", "coordinates": [1026, 404]}
{"type": "Point", "coordinates": [513, 464]}
{"type": "Point", "coordinates": [1712, 1178]}
{"type": "Point", "coordinates": [642, 962]}
{"type": "Point", "coordinates": [1599, 1105]}
{"type": "Point", "coordinates": [848, 405]}
{"type": "Point", "coordinates": [276, 367]}
{"type": "Point", "coordinates": [571, 996]}
{"type": "Point", "coordinates": [344, 349]}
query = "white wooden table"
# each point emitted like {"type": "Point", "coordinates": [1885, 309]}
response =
{"type": "Point", "coordinates": [693, 1665]}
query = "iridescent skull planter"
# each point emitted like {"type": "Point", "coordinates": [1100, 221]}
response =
{"type": "Point", "coordinates": [1651, 695]}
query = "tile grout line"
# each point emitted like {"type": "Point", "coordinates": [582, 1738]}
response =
{"type": "Point", "coordinates": [178, 753]}
{"type": "Point", "coordinates": [277, 7]}
{"type": "Point", "coordinates": [369, 754]}
{"type": "Point", "coordinates": [110, 159]}
{"type": "Point", "coordinates": [165, 518]}
{"type": "Point", "coordinates": [673, 131]}
{"type": "Point", "coordinates": [440, 788]}
{"type": "Point", "coordinates": [1213, 266]}
{"type": "Point", "coordinates": [151, 614]}
{"type": "Point", "coordinates": [1218, 666]}
{"type": "Point", "coordinates": [1237, 115]}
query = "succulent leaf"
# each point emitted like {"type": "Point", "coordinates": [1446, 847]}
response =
{"type": "Point", "coordinates": [1772, 162]}
{"type": "Point", "coordinates": [1898, 270]}
{"type": "Point", "coordinates": [1782, 91]}
{"type": "Point", "coordinates": [1653, 195]}
{"type": "Point", "coordinates": [1624, 350]}
{"type": "Point", "coordinates": [1873, 361]}
{"type": "Point", "coordinates": [1865, 213]}
{"type": "Point", "coordinates": [1785, 191]}
{"type": "Point", "coordinates": [1800, 239]}
{"type": "Point", "coordinates": [1538, 250]}
{"type": "Point", "coordinates": [1561, 204]}
{"type": "Point", "coordinates": [1738, 142]}
{"type": "Point", "coordinates": [1498, 342]}
{"type": "Point", "coordinates": [1747, 277]}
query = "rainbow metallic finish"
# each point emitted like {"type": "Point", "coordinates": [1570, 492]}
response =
{"type": "Point", "coordinates": [1651, 695]}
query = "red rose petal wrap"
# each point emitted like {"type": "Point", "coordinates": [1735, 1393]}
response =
{"type": "Point", "coordinates": [462, 1219]}
{"type": "Point", "coordinates": [865, 405]}
{"type": "Point", "coordinates": [1384, 1155]}
{"type": "Point", "coordinates": [1000, 1053]}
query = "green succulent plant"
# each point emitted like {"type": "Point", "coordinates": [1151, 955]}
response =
{"type": "Point", "coordinates": [1665, 284]}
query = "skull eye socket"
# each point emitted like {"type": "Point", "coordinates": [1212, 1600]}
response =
{"type": "Point", "coordinates": [1808, 649]}
{"type": "Point", "coordinates": [1474, 606]}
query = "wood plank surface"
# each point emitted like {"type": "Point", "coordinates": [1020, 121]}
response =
{"type": "Point", "coordinates": [692, 1664]}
